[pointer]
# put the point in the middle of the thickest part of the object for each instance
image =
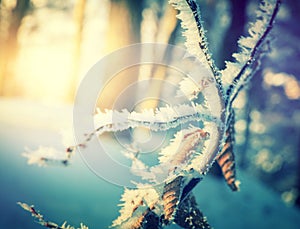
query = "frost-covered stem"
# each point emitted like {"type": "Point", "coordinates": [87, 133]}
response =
{"type": "Point", "coordinates": [212, 151]}
{"type": "Point", "coordinates": [203, 42]}
{"type": "Point", "coordinates": [232, 91]}
{"type": "Point", "coordinates": [40, 218]}
{"type": "Point", "coordinates": [152, 125]}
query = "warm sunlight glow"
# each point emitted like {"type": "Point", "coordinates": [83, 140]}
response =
{"type": "Point", "coordinates": [48, 60]}
{"type": "Point", "coordinates": [288, 82]}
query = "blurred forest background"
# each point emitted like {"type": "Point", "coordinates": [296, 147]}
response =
{"type": "Point", "coordinates": [46, 47]}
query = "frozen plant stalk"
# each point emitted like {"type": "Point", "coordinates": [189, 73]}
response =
{"type": "Point", "coordinates": [193, 150]}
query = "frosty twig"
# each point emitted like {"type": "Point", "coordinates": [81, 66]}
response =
{"type": "Point", "coordinates": [40, 218]}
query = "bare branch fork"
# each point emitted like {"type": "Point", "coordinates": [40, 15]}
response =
{"type": "Point", "coordinates": [193, 149]}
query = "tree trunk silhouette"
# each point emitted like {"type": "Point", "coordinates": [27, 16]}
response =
{"type": "Point", "coordinates": [124, 24]}
{"type": "Point", "coordinates": [9, 47]}
{"type": "Point", "coordinates": [79, 10]}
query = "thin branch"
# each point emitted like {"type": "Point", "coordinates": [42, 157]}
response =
{"type": "Point", "coordinates": [40, 218]}
{"type": "Point", "coordinates": [161, 120]}
{"type": "Point", "coordinates": [240, 79]}
{"type": "Point", "coordinates": [203, 44]}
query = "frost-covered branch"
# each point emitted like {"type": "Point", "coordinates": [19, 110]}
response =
{"type": "Point", "coordinates": [189, 14]}
{"type": "Point", "coordinates": [134, 204]}
{"type": "Point", "coordinates": [203, 44]}
{"type": "Point", "coordinates": [40, 218]}
{"type": "Point", "coordinates": [238, 73]}
{"type": "Point", "coordinates": [196, 41]}
{"type": "Point", "coordinates": [160, 119]}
